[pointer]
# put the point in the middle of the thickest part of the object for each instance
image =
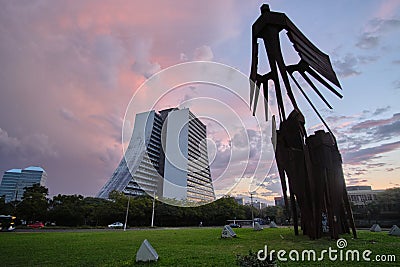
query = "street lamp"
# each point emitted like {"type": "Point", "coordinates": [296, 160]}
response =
{"type": "Point", "coordinates": [152, 214]}
{"type": "Point", "coordinates": [127, 211]}
{"type": "Point", "coordinates": [252, 214]}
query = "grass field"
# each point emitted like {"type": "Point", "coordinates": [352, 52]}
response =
{"type": "Point", "coordinates": [176, 247]}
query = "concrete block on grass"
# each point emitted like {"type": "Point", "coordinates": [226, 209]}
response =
{"type": "Point", "coordinates": [375, 228]}
{"type": "Point", "coordinates": [227, 232]}
{"type": "Point", "coordinates": [146, 252]}
{"type": "Point", "coordinates": [395, 230]}
{"type": "Point", "coordinates": [257, 226]}
{"type": "Point", "coordinates": [273, 225]}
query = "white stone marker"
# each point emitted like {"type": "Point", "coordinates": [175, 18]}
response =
{"type": "Point", "coordinates": [146, 252]}
{"type": "Point", "coordinates": [227, 232]}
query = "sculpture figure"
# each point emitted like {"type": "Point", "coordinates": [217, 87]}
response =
{"type": "Point", "coordinates": [312, 164]}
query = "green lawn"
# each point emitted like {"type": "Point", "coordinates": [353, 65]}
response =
{"type": "Point", "coordinates": [176, 247]}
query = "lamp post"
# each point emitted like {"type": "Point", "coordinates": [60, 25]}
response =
{"type": "Point", "coordinates": [127, 211]}
{"type": "Point", "coordinates": [16, 202]}
{"type": "Point", "coordinates": [152, 214]}
{"type": "Point", "coordinates": [251, 204]}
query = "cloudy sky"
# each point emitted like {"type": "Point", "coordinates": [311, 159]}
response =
{"type": "Point", "coordinates": [68, 70]}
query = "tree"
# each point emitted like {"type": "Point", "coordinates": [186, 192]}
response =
{"type": "Point", "coordinates": [98, 211]}
{"type": "Point", "coordinates": [275, 213]}
{"type": "Point", "coordinates": [389, 203]}
{"type": "Point", "coordinates": [67, 210]}
{"type": "Point", "coordinates": [34, 204]}
{"type": "Point", "coordinates": [225, 208]}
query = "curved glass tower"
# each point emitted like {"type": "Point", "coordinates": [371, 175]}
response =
{"type": "Point", "coordinates": [166, 156]}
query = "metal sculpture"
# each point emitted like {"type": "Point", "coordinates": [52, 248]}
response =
{"type": "Point", "coordinates": [312, 164]}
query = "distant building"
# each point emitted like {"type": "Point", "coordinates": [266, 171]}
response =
{"type": "Point", "coordinates": [240, 200]}
{"type": "Point", "coordinates": [15, 181]}
{"type": "Point", "coordinates": [257, 204]}
{"type": "Point", "coordinates": [279, 201]}
{"type": "Point", "coordinates": [166, 156]}
{"type": "Point", "coordinates": [361, 194]}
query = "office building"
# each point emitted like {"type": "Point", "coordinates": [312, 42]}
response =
{"type": "Point", "coordinates": [15, 181]}
{"type": "Point", "coordinates": [279, 201]}
{"type": "Point", "coordinates": [166, 157]}
{"type": "Point", "coordinates": [361, 194]}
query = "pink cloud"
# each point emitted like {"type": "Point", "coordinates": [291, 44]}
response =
{"type": "Point", "coordinates": [70, 69]}
{"type": "Point", "coordinates": [387, 9]}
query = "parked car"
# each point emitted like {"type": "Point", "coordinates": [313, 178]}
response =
{"type": "Point", "coordinates": [116, 225]}
{"type": "Point", "coordinates": [235, 225]}
{"type": "Point", "coordinates": [36, 225]}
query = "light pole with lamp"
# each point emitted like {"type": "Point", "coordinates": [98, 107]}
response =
{"type": "Point", "coordinates": [127, 212]}
{"type": "Point", "coordinates": [251, 204]}
{"type": "Point", "coordinates": [152, 214]}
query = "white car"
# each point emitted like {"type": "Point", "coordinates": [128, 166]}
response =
{"type": "Point", "coordinates": [116, 225]}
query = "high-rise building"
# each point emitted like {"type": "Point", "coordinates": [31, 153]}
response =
{"type": "Point", "coordinates": [166, 156]}
{"type": "Point", "coordinates": [15, 181]}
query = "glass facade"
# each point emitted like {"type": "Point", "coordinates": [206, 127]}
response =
{"type": "Point", "coordinates": [15, 181]}
{"type": "Point", "coordinates": [150, 162]}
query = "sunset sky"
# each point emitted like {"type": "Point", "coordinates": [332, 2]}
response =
{"type": "Point", "coordinates": [68, 70]}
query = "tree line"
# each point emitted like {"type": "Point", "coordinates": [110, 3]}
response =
{"type": "Point", "coordinates": [77, 210]}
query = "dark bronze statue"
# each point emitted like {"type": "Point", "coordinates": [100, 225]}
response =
{"type": "Point", "coordinates": [312, 164]}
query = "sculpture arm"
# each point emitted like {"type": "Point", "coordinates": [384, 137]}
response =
{"type": "Point", "coordinates": [309, 53]}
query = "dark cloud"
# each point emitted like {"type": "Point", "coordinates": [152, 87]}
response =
{"type": "Point", "coordinates": [8, 143]}
{"type": "Point", "coordinates": [246, 146]}
{"type": "Point", "coordinates": [222, 159]}
{"type": "Point", "coordinates": [274, 186]}
{"type": "Point", "coordinates": [350, 142]}
{"type": "Point", "coordinates": [388, 130]}
{"type": "Point", "coordinates": [367, 41]}
{"type": "Point", "coordinates": [68, 115]}
{"type": "Point", "coordinates": [336, 118]}
{"type": "Point", "coordinates": [271, 183]}
{"type": "Point", "coordinates": [109, 123]}
{"type": "Point", "coordinates": [347, 66]}
{"type": "Point", "coordinates": [368, 124]}
{"type": "Point", "coordinates": [145, 68]}
{"type": "Point", "coordinates": [246, 138]}
{"type": "Point", "coordinates": [355, 181]}
{"type": "Point", "coordinates": [379, 111]}
{"type": "Point", "coordinates": [355, 138]}
{"type": "Point", "coordinates": [385, 25]}
{"type": "Point", "coordinates": [112, 154]}
{"type": "Point", "coordinates": [396, 84]}
{"type": "Point", "coordinates": [377, 28]}
{"type": "Point", "coordinates": [368, 154]}
{"type": "Point", "coordinates": [23, 151]}
{"type": "Point", "coordinates": [375, 165]}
